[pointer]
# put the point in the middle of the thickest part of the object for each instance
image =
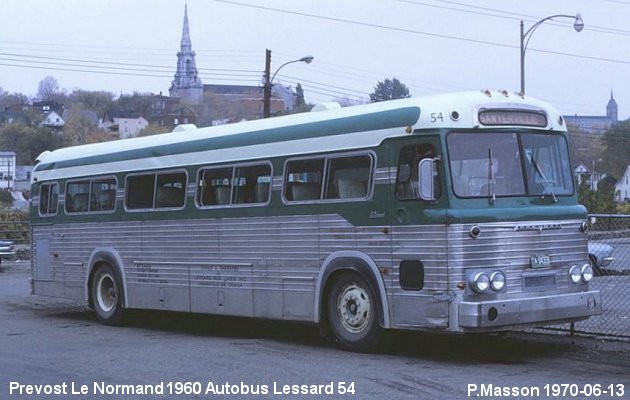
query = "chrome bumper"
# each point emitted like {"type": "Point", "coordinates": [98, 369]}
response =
{"type": "Point", "coordinates": [559, 307]}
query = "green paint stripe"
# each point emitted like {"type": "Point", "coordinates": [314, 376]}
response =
{"type": "Point", "coordinates": [407, 116]}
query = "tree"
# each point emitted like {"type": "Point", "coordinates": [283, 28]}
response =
{"type": "Point", "coordinates": [389, 90]}
{"type": "Point", "coordinates": [8, 99]}
{"type": "Point", "coordinates": [299, 96]}
{"type": "Point", "coordinates": [153, 130]}
{"type": "Point", "coordinates": [616, 155]}
{"type": "Point", "coordinates": [78, 127]}
{"type": "Point", "coordinates": [98, 101]}
{"type": "Point", "coordinates": [48, 88]}
{"type": "Point", "coordinates": [584, 147]}
{"type": "Point", "coordinates": [28, 142]}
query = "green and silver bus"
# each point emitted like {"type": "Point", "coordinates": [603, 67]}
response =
{"type": "Point", "coordinates": [454, 213]}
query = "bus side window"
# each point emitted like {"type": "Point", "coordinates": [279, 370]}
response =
{"type": "Point", "coordinates": [215, 186]}
{"type": "Point", "coordinates": [348, 177]}
{"type": "Point", "coordinates": [48, 197]}
{"type": "Point", "coordinates": [139, 191]}
{"type": "Point", "coordinates": [303, 180]}
{"type": "Point", "coordinates": [252, 184]}
{"type": "Point", "coordinates": [171, 190]}
{"type": "Point", "coordinates": [407, 176]}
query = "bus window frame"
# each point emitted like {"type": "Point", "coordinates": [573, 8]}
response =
{"type": "Point", "coordinates": [91, 179]}
{"type": "Point", "coordinates": [231, 204]}
{"type": "Point", "coordinates": [48, 215]}
{"type": "Point", "coordinates": [325, 176]}
{"type": "Point", "coordinates": [155, 174]}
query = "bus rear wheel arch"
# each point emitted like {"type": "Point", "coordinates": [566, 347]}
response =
{"type": "Point", "coordinates": [106, 294]}
{"type": "Point", "coordinates": [353, 312]}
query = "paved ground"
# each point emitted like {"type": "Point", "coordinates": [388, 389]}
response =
{"type": "Point", "coordinates": [51, 341]}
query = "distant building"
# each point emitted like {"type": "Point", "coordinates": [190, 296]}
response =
{"type": "Point", "coordinates": [584, 176]}
{"type": "Point", "coordinates": [622, 188]}
{"type": "Point", "coordinates": [186, 86]}
{"type": "Point", "coordinates": [53, 121]}
{"type": "Point", "coordinates": [49, 105]}
{"type": "Point", "coordinates": [222, 102]}
{"type": "Point", "coordinates": [596, 124]}
{"type": "Point", "coordinates": [23, 177]}
{"type": "Point", "coordinates": [7, 169]}
{"type": "Point", "coordinates": [177, 115]}
{"type": "Point", "coordinates": [125, 126]}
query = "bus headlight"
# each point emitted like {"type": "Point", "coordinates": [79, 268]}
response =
{"type": "Point", "coordinates": [575, 274]}
{"type": "Point", "coordinates": [480, 282]}
{"type": "Point", "coordinates": [587, 273]}
{"type": "Point", "coordinates": [497, 281]}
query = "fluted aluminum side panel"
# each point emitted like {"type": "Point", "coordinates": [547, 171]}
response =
{"type": "Point", "coordinates": [426, 243]}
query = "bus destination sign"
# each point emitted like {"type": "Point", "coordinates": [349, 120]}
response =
{"type": "Point", "coordinates": [512, 117]}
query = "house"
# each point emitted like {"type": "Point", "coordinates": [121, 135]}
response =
{"type": "Point", "coordinates": [53, 121]}
{"type": "Point", "coordinates": [23, 177]}
{"type": "Point", "coordinates": [7, 169]}
{"type": "Point", "coordinates": [590, 178]}
{"type": "Point", "coordinates": [49, 105]}
{"type": "Point", "coordinates": [622, 188]}
{"type": "Point", "coordinates": [178, 115]}
{"type": "Point", "coordinates": [125, 125]}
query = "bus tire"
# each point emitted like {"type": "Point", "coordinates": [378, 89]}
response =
{"type": "Point", "coordinates": [353, 313]}
{"type": "Point", "coordinates": [106, 295]}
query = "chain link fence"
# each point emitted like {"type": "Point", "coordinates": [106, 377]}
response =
{"type": "Point", "coordinates": [609, 237]}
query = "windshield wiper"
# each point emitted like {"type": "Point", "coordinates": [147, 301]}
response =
{"type": "Point", "coordinates": [491, 182]}
{"type": "Point", "coordinates": [542, 175]}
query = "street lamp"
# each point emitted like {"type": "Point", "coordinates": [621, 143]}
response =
{"type": "Point", "coordinates": [268, 81]}
{"type": "Point", "coordinates": [578, 25]}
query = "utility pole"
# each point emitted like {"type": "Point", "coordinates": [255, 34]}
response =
{"type": "Point", "coordinates": [267, 85]}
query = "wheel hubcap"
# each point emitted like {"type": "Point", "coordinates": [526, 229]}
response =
{"type": "Point", "coordinates": [106, 292]}
{"type": "Point", "coordinates": [353, 306]}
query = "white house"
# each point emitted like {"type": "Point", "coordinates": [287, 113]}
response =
{"type": "Point", "coordinates": [7, 169]}
{"type": "Point", "coordinates": [126, 127]}
{"type": "Point", "coordinates": [53, 120]}
{"type": "Point", "coordinates": [622, 188]}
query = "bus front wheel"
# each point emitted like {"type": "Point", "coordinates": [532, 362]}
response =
{"type": "Point", "coordinates": [106, 293]}
{"type": "Point", "coordinates": [353, 313]}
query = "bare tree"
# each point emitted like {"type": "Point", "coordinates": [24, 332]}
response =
{"type": "Point", "coordinates": [48, 88]}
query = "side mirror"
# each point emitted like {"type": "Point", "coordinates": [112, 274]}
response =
{"type": "Point", "coordinates": [426, 173]}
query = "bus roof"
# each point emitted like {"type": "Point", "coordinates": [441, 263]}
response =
{"type": "Point", "coordinates": [329, 130]}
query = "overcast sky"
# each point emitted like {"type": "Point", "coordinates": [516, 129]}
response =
{"type": "Point", "coordinates": [430, 45]}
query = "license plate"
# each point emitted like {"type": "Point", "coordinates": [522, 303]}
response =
{"type": "Point", "coordinates": [540, 261]}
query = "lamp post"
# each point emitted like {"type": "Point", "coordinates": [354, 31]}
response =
{"type": "Point", "coordinates": [578, 25]}
{"type": "Point", "coordinates": [268, 81]}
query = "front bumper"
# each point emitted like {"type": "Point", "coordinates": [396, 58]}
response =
{"type": "Point", "coordinates": [559, 307]}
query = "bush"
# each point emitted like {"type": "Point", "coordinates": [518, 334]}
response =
{"type": "Point", "coordinates": [6, 199]}
{"type": "Point", "coordinates": [14, 225]}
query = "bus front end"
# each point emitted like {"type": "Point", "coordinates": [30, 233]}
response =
{"type": "Point", "coordinates": [516, 237]}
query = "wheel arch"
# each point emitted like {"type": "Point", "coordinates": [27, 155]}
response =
{"type": "Point", "coordinates": [357, 262]}
{"type": "Point", "coordinates": [111, 257]}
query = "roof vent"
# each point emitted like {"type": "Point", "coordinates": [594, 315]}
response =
{"type": "Point", "coordinates": [330, 105]}
{"type": "Point", "coordinates": [185, 127]}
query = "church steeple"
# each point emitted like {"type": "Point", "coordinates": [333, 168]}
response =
{"type": "Point", "coordinates": [186, 45]}
{"type": "Point", "coordinates": [186, 84]}
{"type": "Point", "coordinates": [612, 111]}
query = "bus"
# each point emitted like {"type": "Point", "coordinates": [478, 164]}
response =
{"type": "Point", "coordinates": [452, 212]}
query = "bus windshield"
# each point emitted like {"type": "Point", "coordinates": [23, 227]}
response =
{"type": "Point", "coordinates": [509, 164]}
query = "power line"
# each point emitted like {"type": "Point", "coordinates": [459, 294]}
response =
{"type": "Point", "coordinates": [515, 16]}
{"type": "Point", "coordinates": [430, 34]}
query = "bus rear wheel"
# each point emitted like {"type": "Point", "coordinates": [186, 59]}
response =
{"type": "Point", "coordinates": [353, 313]}
{"type": "Point", "coordinates": [106, 295]}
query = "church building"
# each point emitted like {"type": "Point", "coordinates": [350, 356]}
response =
{"type": "Point", "coordinates": [223, 103]}
{"type": "Point", "coordinates": [596, 124]}
{"type": "Point", "coordinates": [186, 86]}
